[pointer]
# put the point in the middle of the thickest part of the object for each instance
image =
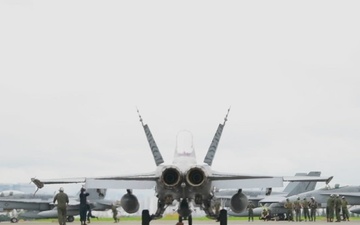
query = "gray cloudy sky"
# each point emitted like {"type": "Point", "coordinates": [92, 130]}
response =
{"type": "Point", "coordinates": [73, 72]}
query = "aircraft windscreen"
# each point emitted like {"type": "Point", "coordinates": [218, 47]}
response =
{"type": "Point", "coordinates": [184, 143]}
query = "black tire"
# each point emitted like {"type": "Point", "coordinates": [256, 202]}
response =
{"type": "Point", "coordinates": [190, 220]}
{"type": "Point", "coordinates": [14, 220]}
{"type": "Point", "coordinates": [223, 217]}
{"type": "Point", "coordinates": [145, 217]}
{"type": "Point", "coordinates": [180, 219]}
{"type": "Point", "coordinates": [70, 219]}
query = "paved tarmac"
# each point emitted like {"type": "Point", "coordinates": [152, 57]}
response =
{"type": "Point", "coordinates": [171, 222]}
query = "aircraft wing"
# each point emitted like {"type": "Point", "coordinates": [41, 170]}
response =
{"type": "Point", "coordinates": [137, 181]}
{"type": "Point", "coordinates": [228, 181]}
{"type": "Point", "coordinates": [307, 178]}
{"type": "Point", "coordinates": [272, 199]}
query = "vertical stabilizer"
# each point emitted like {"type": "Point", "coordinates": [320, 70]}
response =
{"type": "Point", "coordinates": [305, 186]}
{"type": "Point", "coordinates": [214, 144]}
{"type": "Point", "coordinates": [154, 149]}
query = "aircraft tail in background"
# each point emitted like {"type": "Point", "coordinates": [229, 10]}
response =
{"type": "Point", "coordinates": [294, 188]}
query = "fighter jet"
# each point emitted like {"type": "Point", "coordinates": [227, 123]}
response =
{"type": "Point", "coordinates": [275, 198]}
{"type": "Point", "coordinates": [268, 195]}
{"type": "Point", "coordinates": [184, 181]}
{"type": "Point", "coordinates": [41, 206]}
{"type": "Point", "coordinates": [351, 193]}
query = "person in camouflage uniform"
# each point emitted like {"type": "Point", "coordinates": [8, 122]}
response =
{"type": "Point", "coordinates": [289, 210]}
{"type": "Point", "coordinates": [330, 208]}
{"type": "Point", "coordinates": [297, 207]}
{"type": "Point", "coordinates": [337, 207]}
{"type": "Point", "coordinates": [344, 208]}
{"type": "Point", "coordinates": [250, 209]}
{"type": "Point", "coordinates": [313, 206]}
{"type": "Point", "coordinates": [305, 205]}
{"type": "Point", "coordinates": [62, 200]}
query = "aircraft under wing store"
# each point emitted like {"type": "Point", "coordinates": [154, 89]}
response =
{"type": "Point", "coordinates": [184, 182]}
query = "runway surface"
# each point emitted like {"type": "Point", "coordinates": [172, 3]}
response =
{"type": "Point", "coordinates": [173, 222]}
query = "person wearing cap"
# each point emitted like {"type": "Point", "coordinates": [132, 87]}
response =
{"type": "Point", "coordinates": [289, 210]}
{"type": "Point", "coordinates": [330, 208]}
{"type": "Point", "coordinates": [250, 207]}
{"type": "Point", "coordinates": [115, 213]}
{"type": "Point", "coordinates": [305, 205]}
{"type": "Point", "coordinates": [344, 208]}
{"type": "Point", "coordinates": [337, 207]}
{"type": "Point", "coordinates": [297, 207]}
{"type": "Point", "coordinates": [313, 206]}
{"type": "Point", "coordinates": [62, 200]}
{"type": "Point", "coordinates": [83, 205]}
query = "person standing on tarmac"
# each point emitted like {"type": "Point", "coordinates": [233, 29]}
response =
{"type": "Point", "coordinates": [83, 205]}
{"type": "Point", "coordinates": [289, 210]}
{"type": "Point", "coordinates": [297, 207]}
{"type": "Point", "coordinates": [62, 202]}
{"type": "Point", "coordinates": [313, 206]}
{"type": "Point", "coordinates": [250, 209]}
{"type": "Point", "coordinates": [305, 205]}
{"type": "Point", "coordinates": [115, 213]}
{"type": "Point", "coordinates": [330, 208]}
{"type": "Point", "coordinates": [337, 208]}
{"type": "Point", "coordinates": [345, 211]}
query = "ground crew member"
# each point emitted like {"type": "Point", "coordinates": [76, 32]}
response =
{"type": "Point", "coordinates": [62, 202]}
{"type": "Point", "coordinates": [344, 208]}
{"type": "Point", "coordinates": [83, 205]}
{"type": "Point", "coordinates": [330, 208]}
{"type": "Point", "coordinates": [289, 210]}
{"type": "Point", "coordinates": [250, 207]}
{"type": "Point", "coordinates": [297, 207]}
{"type": "Point", "coordinates": [337, 208]}
{"type": "Point", "coordinates": [265, 215]}
{"type": "Point", "coordinates": [115, 212]}
{"type": "Point", "coordinates": [305, 205]}
{"type": "Point", "coordinates": [313, 206]}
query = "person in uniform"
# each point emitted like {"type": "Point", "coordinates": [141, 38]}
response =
{"type": "Point", "coordinates": [313, 206]}
{"type": "Point", "coordinates": [297, 207]}
{"type": "Point", "coordinates": [344, 208]}
{"type": "Point", "coordinates": [265, 215]}
{"type": "Point", "coordinates": [337, 206]}
{"type": "Point", "coordinates": [250, 209]}
{"type": "Point", "coordinates": [305, 205]}
{"type": "Point", "coordinates": [62, 200]}
{"type": "Point", "coordinates": [289, 210]}
{"type": "Point", "coordinates": [115, 213]}
{"type": "Point", "coordinates": [330, 208]}
{"type": "Point", "coordinates": [83, 205]}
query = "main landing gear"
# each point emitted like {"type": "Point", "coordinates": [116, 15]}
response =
{"type": "Point", "coordinates": [146, 218]}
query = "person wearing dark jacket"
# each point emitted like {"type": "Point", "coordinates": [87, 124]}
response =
{"type": "Point", "coordinates": [83, 205]}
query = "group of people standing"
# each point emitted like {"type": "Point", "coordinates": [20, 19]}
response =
{"type": "Point", "coordinates": [308, 207]}
{"type": "Point", "coordinates": [335, 205]}
{"type": "Point", "coordinates": [62, 200]}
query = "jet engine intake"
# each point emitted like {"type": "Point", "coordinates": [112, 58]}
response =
{"type": "Point", "coordinates": [129, 203]}
{"type": "Point", "coordinates": [238, 202]}
{"type": "Point", "coordinates": [195, 177]}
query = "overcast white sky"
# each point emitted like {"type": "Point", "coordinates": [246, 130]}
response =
{"type": "Point", "coordinates": [73, 72]}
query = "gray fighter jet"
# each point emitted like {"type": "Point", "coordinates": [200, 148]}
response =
{"type": "Point", "coordinates": [184, 181]}
{"type": "Point", "coordinates": [41, 206]}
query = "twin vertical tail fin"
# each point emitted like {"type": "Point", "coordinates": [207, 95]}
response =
{"type": "Point", "coordinates": [154, 149]}
{"type": "Point", "coordinates": [215, 142]}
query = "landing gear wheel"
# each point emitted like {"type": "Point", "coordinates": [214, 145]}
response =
{"type": "Point", "coordinates": [14, 220]}
{"type": "Point", "coordinates": [70, 219]}
{"type": "Point", "coordinates": [223, 217]}
{"type": "Point", "coordinates": [190, 220]}
{"type": "Point", "coordinates": [180, 219]}
{"type": "Point", "coordinates": [145, 217]}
